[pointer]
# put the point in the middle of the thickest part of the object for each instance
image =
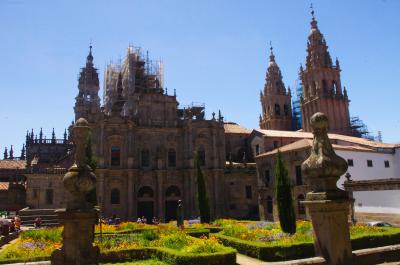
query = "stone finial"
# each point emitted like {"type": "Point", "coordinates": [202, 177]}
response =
{"type": "Point", "coordinates": [323, 167]}
{"type": "Point", "coordinates": [80, 179]}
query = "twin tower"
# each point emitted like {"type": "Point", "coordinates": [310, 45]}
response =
{"type": "Point", "coordinates": [322, 90]}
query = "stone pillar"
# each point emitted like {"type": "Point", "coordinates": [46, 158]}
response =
{"type": "Point", "coordinates": [327, 205]}
{"type": "Point", "coordinates": [80, 215]}
{"type": "Point", "coordinates": [130, 195]}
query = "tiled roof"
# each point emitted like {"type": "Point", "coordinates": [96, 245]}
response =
{"type": "Point", "coordinates": [307, 143]}
{"type": "Point", "coordinates": [12, 164]}
{"type": "Point", "coordinates": [339, 137]}
{"type": "Point", "coordinates": [4, 185]}
{"type": "Point", "coordinates": [231, 127]}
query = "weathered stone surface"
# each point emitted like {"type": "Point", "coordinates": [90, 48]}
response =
{"type": "Point", "coordinates": [80, 216]}
{"type": "Point", "coordinates": [327, 206]}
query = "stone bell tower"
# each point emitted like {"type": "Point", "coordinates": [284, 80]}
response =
{"type": "Point", "coordinates": [322, 88]}
{"type": "Point", "coordinates": [87, 102]}
{"type": "Point", "coordinates": [275, 100]}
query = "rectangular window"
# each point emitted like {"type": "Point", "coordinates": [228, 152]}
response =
{"type": "Point", "coordinates": [171, 158]}
{"type": "Point", "coordinates": [299, 177]}
{"type": "Point", "coordinates": [387, 163]}
{"type": "Point", "coordinates": [369, 163]}
{"type": "Point", "coordinates": [350, 162]}
{"type": "Point", "coordinates": [49, 196]}
{"type": "Point", "coordinates": [267, 178]}
{"type": "Point", "coordinates": [276, 144]}
{"type": "Point", "coordinates": [145, 158]}
{"type": "Point", "coordinates": [249, 194]}
{"type": "Point", "coordinates": [257, 150]}
{"type": "Point", "coordinates": [115, 156]}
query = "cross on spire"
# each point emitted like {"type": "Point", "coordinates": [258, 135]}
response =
{"type": "Point", "coordinates": [312, 11]}
{"type": "Point", "coordinates": [271, 55]}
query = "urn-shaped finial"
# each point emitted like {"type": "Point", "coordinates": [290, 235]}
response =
{"type": "Point", "coordinates": [80, 179]}
{"type": "Point", "coordinates": [323, 168]}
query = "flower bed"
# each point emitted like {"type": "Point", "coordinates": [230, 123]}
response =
{"type": "Point", "coordinates": [171, 245]}
{"type": "Point", "coordinates": [266, 241]}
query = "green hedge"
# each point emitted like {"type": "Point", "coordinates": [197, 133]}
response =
{"type": "Point", "coordinates": [167, 255]}
{"type": "Point", "coordinates": [174, 257]}
{"type": "Point", "coordinates": [197, 232]}
{"type": "Point", "coordinates": [126, 255]}
{"type": "Point", "coordinates": [372, 241]}
{"type": "Point", "coordinates": [303, 250]}
{"type": "Point", "coordinates": [268, 253]}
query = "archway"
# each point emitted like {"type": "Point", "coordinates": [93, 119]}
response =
{"type": "Point", "coordinates": [172, 195]}
{"type": "Point", "coordinates": [145, 203]}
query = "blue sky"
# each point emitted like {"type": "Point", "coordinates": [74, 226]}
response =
{"type": "Point", "coordinates": [214, 51]}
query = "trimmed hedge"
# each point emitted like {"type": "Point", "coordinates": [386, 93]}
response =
{"type": "Point", "coordinates": [372, 241]}
{"type": "Point", "coordinates": [174, 257]}
{"type": "Point", "coordinates": [267, 253]}
{"type": "Point", "coordinates": [197, 232]}
{"type": "Point", "coordinates": [303, 250]}
{"type": "Point", "coordinates": [167, 255]}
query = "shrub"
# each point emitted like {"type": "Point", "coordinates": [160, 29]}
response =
{"type": "Point", "coordinates": [283, 193]}
{"type": "Point", "coordinates": [204, 206]}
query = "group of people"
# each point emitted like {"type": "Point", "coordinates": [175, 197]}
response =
{"type": "Point", "coordinates": [10, 225]}
{"type": "Point", "coordinates": [143, 220]}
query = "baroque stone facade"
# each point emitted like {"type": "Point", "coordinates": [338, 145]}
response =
{"type": "Point", "coordinates": [145, 144]}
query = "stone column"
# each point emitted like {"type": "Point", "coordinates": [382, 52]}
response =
{"type": "Point", "coordinates": [327, 205]}
{"type": "Point", "coordinates": [130, 195]}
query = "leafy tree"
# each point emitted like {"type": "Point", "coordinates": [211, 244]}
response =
{"type": "Point", "coordinates": [204, 206]}
{"type": "Point", "coordinates": [283, 193]}
{"type": "Point", "coordinates": [92, 163]}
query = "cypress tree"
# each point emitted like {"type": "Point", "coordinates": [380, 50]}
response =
{"type": "Point", "coordinates": [204, 206]}
{"type": "Point", "coordinates": [283, 193]}
{"type": "Point", "coordinates": [92, 163]}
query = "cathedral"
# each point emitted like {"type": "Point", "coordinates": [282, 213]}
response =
{"type": "Point", "coordinates": [145, 143]}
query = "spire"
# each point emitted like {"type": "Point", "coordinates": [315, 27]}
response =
{"type": "Point", "coordinates": [5, 156]}
{"type": "Point", "coordinates": [317, 50]}
{"type": "Point", "coordinates": [65, 135]}
{"type": "Point", "coordinates": [89, 58]}
{"type": "Point", "coordinates": [11, 156]}
{"type": "Point", "coordinates": [271, 53]}
{"type": "Point", "coordinates": [53, 136]}
{"type": "Point", "coordinates": [22, 152]}
{"type": "Point", "coordinates": [41, 135]}
{"type": "Point", "coordinates": [313, 20]}
{"type": "Point", "coordinates": [345, 92]}
{"type": "Point", "coordinates": [337, 64]}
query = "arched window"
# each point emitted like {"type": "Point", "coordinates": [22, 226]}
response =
{"type": "Point", "coordinates": [269, 205]}
{"type": "Point", "coordinates": [286, 109]}
{"type": "Point", "coordinates": [145, 158]}
{"type": "Point", "coordinates": [115, 196]}
{"type": "Point", "coordinates": [277, 109]}
{"type": "Point", "coordinates": [115, 156]}
{"type": "Point", "coordinates": [145, 191]}
{"type": "Point", "coordinates": [201, 156]}
{"type": "Point", "coordinates": [300, 206]}
{"type": "Point", "coordinates": [171, 158]}
{"type": "Point", "coordinates": [172, 191]}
